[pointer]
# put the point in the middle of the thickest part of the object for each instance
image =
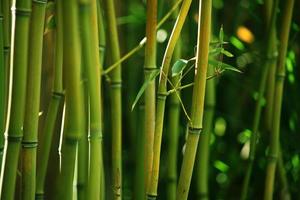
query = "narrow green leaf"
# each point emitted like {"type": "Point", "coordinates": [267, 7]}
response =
{"type": "Point", "coordinates": [221, 35]}
{"type": "Point", "coordinates": [144, 86]}
{"type": "Point", "coordinates": [223, 65]}
{"type": "Point", "coordinates": [220, 165]}
{"type": "Point", "coordinates": [215, 51]}
{"type": "Point", "coordinates": [226, 53]}
{"type": "Point", "coordinates": [179, 66]}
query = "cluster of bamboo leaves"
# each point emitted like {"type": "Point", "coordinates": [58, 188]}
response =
{"type": "Point", "coordinates": [64, 102]}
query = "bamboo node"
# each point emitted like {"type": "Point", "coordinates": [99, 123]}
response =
{"type": "Point", "coordinates": [195, 130]}
{"type": "Point", "coordinates": [272, 157]}
{"type": "Point", "coordinates": [150, 68]}
{"type": "Point", "coordinates": [116, 84]}
{"type": "Point", "coordinates": [14, 138]}
{"type": "Point", "coordinates": [29, 144]}
{"type": "Point", "coordinates": [6, 49]}
{"type": "Point", "coordinates": [21, 11]}
{"type": "Point", "coordinates": [162, 95]}
{"type": "Point", "coordinates": [58, 95]}
{"type": "Point", "coordinates": [151, 196]}
{"type": "Point", "coordinates": [280, 77]}
{"type": "Point", "coordinates": [39, 195]}
{"type": "Point", "coordinates": [40, 1]}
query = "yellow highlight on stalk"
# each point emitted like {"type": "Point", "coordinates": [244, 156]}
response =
{"type": "Point", "coordinates": [245, 34]}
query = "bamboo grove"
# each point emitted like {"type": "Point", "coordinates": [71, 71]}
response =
{"type": "Point", "coordinates": [146, 100]}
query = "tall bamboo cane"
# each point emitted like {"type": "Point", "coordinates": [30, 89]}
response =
{"type": "Point", "coordinates": [161, 97]}
{"type": "Point", "coordinates": [280, 74]}
{"type": "Point", "coordinates": [102, 45]}
{"type": "Point", "coordinates": [16, 107]}
{"type": "Point", "coordinates": [92, 68]}
{"type": "Point", "coordinates": [270, 53]}
{"type": "Point", "coordinates": [116, 100]}
{"type": "Point", "coordinates": [53, 110]}
{"type": "Point", "coordinates": [204, 140]}
{"type": "Point", "coordinates": [2, 86]}
{"type": "Point", "coordinates": [29, 143]}
{"type": "Point", "coordinates": [195, 125]}
{"type": "Point", "coordinates": [74, 120]}
{"type": "Point", "coordinates": [173, 126]}
{"type": "Point", "coordinates": [150, 66]}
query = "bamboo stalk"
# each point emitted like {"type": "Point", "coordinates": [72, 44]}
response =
{"type": "Point", "coordinates": [17, 93]}
{"type": "Point", "coordinates": [2, 86]}
{"type": "Point", "coordinates": [197, 111]}
{"type": "Point", "coordinates": [29, 143]}
{"type": "Point", "coordinates": [270, 62]}
{"type": "Point", "coordinates": [92, 68]}
{"type": "Point", "coordinates": [204, 140]}
{"type": "Point", "coordinates": [53, 109]}
{"type": "Point", "coordinates": [173, 126]}
{"type": "Point", "coordinates": [149, 67]}
{"type": "Point", "coordinates": [161, 97]}
{"type": "Point", "coordinates": [116, 100]}
{"type": "Point", "coordinates": [74, 121]}
{"type": "Point", "coordinates": [279, 83]}
{"type": "Point", "coordinates": [102, 45]}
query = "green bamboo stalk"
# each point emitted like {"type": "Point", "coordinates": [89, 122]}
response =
{"type": "Point", "coordinates": [116, 100]}
{"type": "Point", "coordinates": [284, 193]}
{"type": "Point", "coordinates": [6, 5]}
{"type": "Point", "coordinates": [83, 147]}
{"type": "Point", "coordinates": [149, 67]}
{"type": "Point", "coordinates": [17, 93]}
{"type": "Point", "coordinates": [74, 117]}
{"type": "Point", "coordinates": [53, 109]}
{"type": "Point", "coordinates": [204, 140]}
{"type": "Point", "coordinates": [29, 143]}
{"type": "Point", "coordinates": [102, 45]}
{"type": "Point", "coordinates": [270, 61]}
{"type": "Point", "coordinates": [161, 97]}
{"type": "Point", "coordinates": [197, 111]}
{"type": "Point", "coordinates": [272, 69]}
{"type": "Point", "coordinates": [2, 86]}
{"type": "Point", "coordinates": [173, 126]}
{"type": "Point", "coordinates": [173, 132]}
{"type": "Point", "coordinates": [139, 182]}
{"type": "Point", "coordinates": [92, 68]}
{"type": "Point", "coordinates": [280, 74]}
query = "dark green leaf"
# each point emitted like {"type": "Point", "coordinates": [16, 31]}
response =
{"type": "Point", "coordinates": [144, 86]}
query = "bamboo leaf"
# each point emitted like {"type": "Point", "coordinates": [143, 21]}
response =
{"type": "Point", "coordinates": [223, 65]}
{"type": "Point", "coordinates": [179, 66]}
{"type": "Point", "coordinates": [144, 86]}
{"type": "Point", "coordinates": [227, 53]}
{"type": "Point", "coordinates": [221, 35]}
